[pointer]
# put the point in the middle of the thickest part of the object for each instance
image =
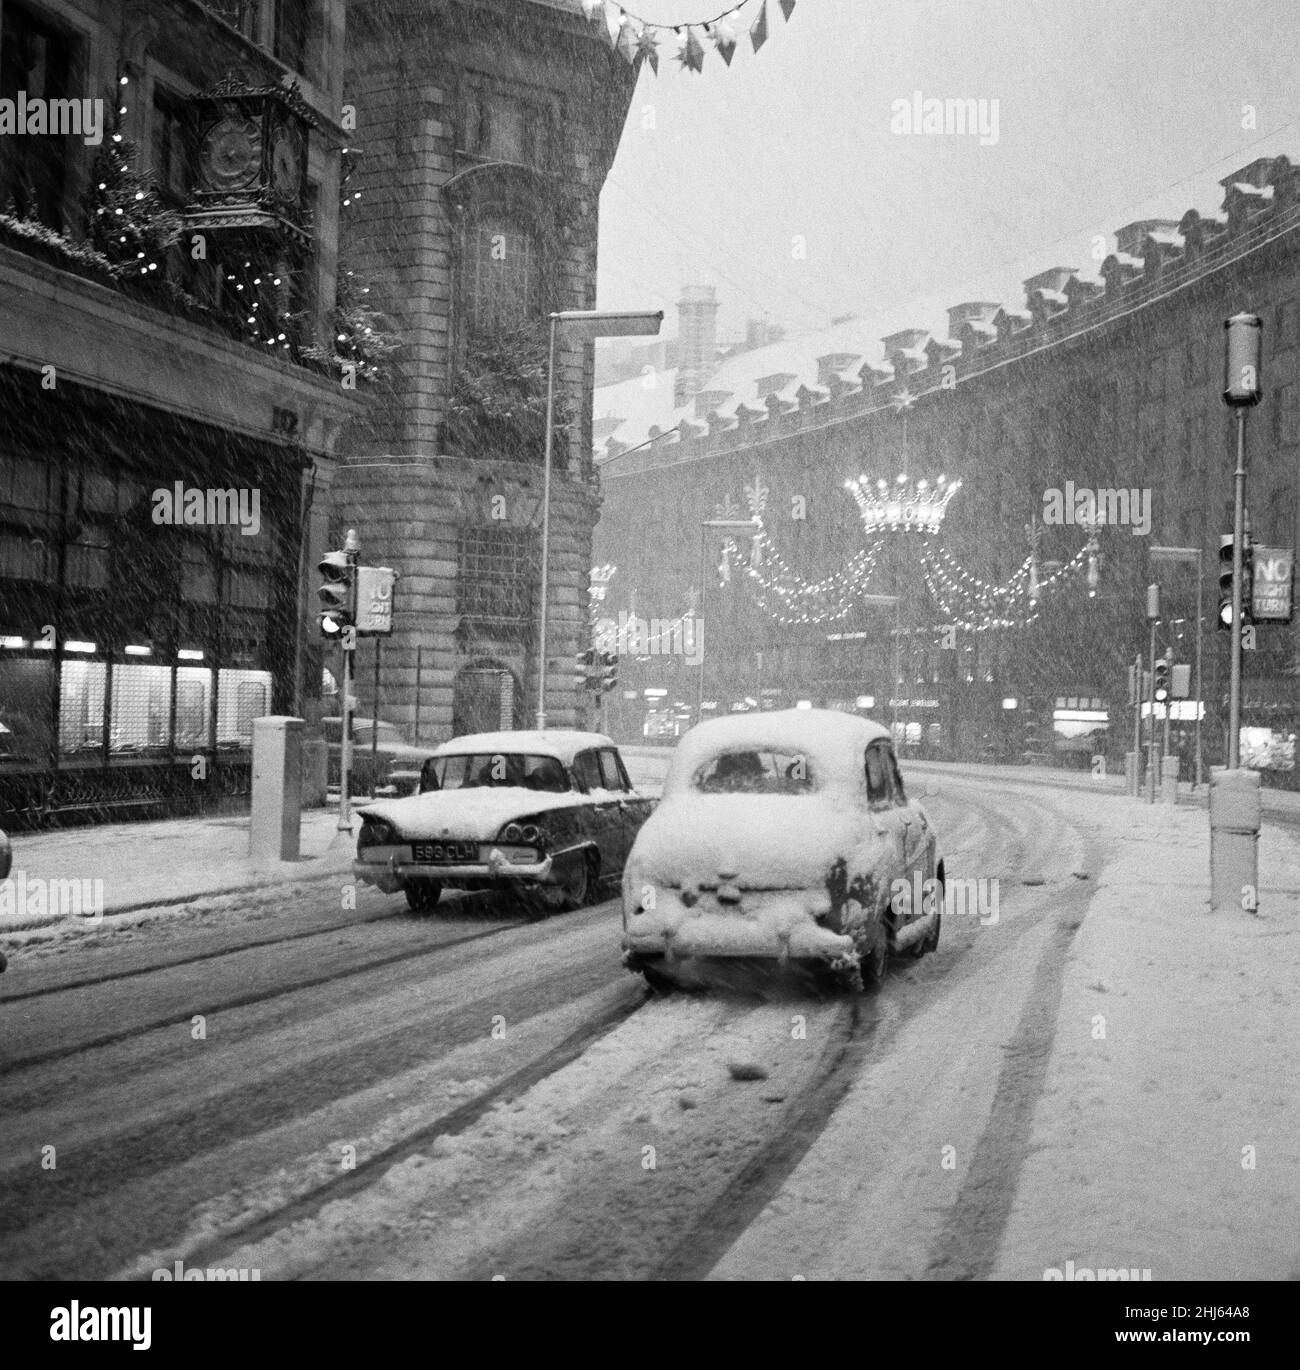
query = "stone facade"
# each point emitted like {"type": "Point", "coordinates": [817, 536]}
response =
{"type": "Point", "coordinates": [484, 133]}
{"type": "Point", "coordinates": [133, 656]}
{"type": "Point", "coordinates": [1109, 383]}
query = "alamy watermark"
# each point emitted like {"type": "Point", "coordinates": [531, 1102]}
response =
{"type": "Point", "coordinates": [179, 1271]}
{"type": "Point", "coordinates": [950, 118]}
{"type": "Point", "coordinates": [962, 897]}
{"type": "Point", "coordinates": [23, 896]}
{"type": "Point", "coordinates": [181, 505]}
{"type": "Point", "coordinates": [36, 117]}
{"type": "Point", "coordinates": [629, 635]}
{"type": "Point", "coordinates": [1086, 507]}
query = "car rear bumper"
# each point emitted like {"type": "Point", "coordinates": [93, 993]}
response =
{"type": "Point", "coordinates": [775, 924]}
{"type": "Point", "coordinates": [391, 869]}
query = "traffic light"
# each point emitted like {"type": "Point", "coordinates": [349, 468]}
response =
{"type": "Point", "coordinates": [1225, 580]}
{"type": "Point", "coordinates": [609, 671]}
{"type": "Point", "coordinates": [335, 594]}
{"type": "Point", "coordinates": [1161, 690]}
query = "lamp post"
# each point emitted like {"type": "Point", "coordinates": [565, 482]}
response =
{"type": "Point", "coordinates": [584, 325]}
{"type": "Point", "coordinates": [885, 602]}
{"type": "Point", "coordinates": [730, 525]}
{"type": "Point", "coordinates": [1242, 389]}
{"type": "Point", "coordinates": [1190, 556]}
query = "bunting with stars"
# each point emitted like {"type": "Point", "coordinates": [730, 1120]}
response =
{"type": "Point", "coordinates": [637, 39]}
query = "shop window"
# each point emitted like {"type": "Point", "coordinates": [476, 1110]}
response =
{"type": "Point", "coordinates": [242, 696]}
{"type": "Point", "coordinates": [81, 706]}
{"type": "Point", "coordinates": [193, 687]}
{"type": "Point", "coordinates": [26, 722]}
{"type": "Point", "coordinates": [141, 717]}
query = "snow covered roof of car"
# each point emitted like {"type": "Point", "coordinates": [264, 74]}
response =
{"type": "Point", "coordinates": [832, 741]}
{"type": "Point", "coordinates": [562, 743]}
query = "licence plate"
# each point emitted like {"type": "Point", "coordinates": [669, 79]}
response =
{"type": "Point", "coordinates": [448, 853]}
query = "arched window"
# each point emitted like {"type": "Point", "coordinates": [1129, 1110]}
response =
{"type": "Point", "coordinates": [502, 279]}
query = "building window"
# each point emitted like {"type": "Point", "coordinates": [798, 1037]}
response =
{"type": "Point", "coordinates": [172, 147]}
{"type": "Point", "coordinates": [1155, 386]}
{"type": "Point", "coordinates": [292, 29]}
{"type": "Point", "coordinates": [503, 128]}
{"type": "Point", "coordinates": [1286, 324]}
{"type": "Point", "coordinates": [39, 60]}
{"type": "Point", "coordinates": [1286, 414]}
{"type": "Point", "coordinates": [502, 281]}
{"type": "Point", "coordinates": [494, 573]}
{"type": "Point", "coordinates": [240, 14]}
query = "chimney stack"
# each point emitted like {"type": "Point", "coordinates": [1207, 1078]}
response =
{"type": "Point", "coordinates": [697, 337]}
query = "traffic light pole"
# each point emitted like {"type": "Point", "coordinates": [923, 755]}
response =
{"type": "Point", "coordinates": [347, 644]}
{"type": "Point", "coordinates": [1238, 607]}
{"type": "Point", "coordinates": [1151, 722]}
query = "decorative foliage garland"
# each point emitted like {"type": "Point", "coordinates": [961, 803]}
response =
{"type": "Point", "coordinates": [498, 400]}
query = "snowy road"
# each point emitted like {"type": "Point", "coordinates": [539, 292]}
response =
{"type": "Point", "coordinates": [282, 1085]}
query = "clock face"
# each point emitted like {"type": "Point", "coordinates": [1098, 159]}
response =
{"type": "Point", "coordinates": [231, 156]}
{"type": "Point", "coordinates": [286, 163]}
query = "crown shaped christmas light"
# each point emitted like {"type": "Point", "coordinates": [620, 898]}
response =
{"type": "Point", "coordinates": [903, 506]}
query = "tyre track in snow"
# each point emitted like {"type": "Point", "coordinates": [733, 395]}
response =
{"type": "Point", "coordinates": [124, 1143]}
{"type": "Point", "coordinates": [586, 1207]}
{"type": "Point", "coordinates": [210, 1008]}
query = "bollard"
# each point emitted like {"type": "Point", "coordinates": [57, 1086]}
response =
{"type": "Point", "coordinates": [1132, 774]}
{"type": "Point", "coordinates": [273, 831]}
{"type": "Point", "coordinates": [1234, 840]}
{"type": "Point", "coordinates": [1169, 780]}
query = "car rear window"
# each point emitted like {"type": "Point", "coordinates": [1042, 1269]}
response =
{"type": "Point", "coordinates": [488, 769]}
{"type": "Point", "coordinates": [756, 771]}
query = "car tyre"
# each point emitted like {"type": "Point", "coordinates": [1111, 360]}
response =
{"type": "Point", "coordinates": [578, 885]}
{"type": "Point", "coordinates": [422, 895]}
{"type": "Point", "coordinates": [658, 982]}
{"type": "Point", "coordinates": [876, 961]}
{"type": "Point", "coordinates": [931, 942]}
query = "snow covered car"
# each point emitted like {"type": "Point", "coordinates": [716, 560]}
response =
{"type": "Point", "coordinates": [783, 835]}
{"type": "Point", "coordinates": [547, 813]}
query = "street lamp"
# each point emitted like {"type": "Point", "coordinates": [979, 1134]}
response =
{"type": "Point", "coordinates": [584, 325]}
{"type": "Point", "coordinates": [885, 602]}
{"type": "Point", "coordinates": [730, 525]}
{"type": "Point", "coordinates": [1190, 556]}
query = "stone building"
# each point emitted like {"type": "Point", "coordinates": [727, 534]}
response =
{"type": "Point", "coordinates": [484, 131]}
{"type": "Point", "coordinates": [1108, 383]}
{"type": "Point", "coordinates": [168, 408]}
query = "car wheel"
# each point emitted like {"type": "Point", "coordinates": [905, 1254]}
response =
{"type": "Point", "coordinates": [931, 942]}
{"type": "Point", "coordinates": [578, 882]}
{"type": "Point", "coordinates": [876, 961]}
{"type": "Point", "coordinates": [658, 981]}
{"type": "Point", "coordinates": [422, 895]}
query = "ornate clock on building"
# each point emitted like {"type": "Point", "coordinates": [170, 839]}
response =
{"type": "Point", "coordinates": [287, 163]}
{"type": "Point", "coordinates": [231, 155]}
{"type": "Point", "coordinates": [252, 163]}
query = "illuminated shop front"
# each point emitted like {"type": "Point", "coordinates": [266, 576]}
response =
{"type": "Point", "coordinates": [135, 654]}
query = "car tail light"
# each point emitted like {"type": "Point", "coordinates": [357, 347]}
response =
{"type": "Point", "coordinates": [375, 832]}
